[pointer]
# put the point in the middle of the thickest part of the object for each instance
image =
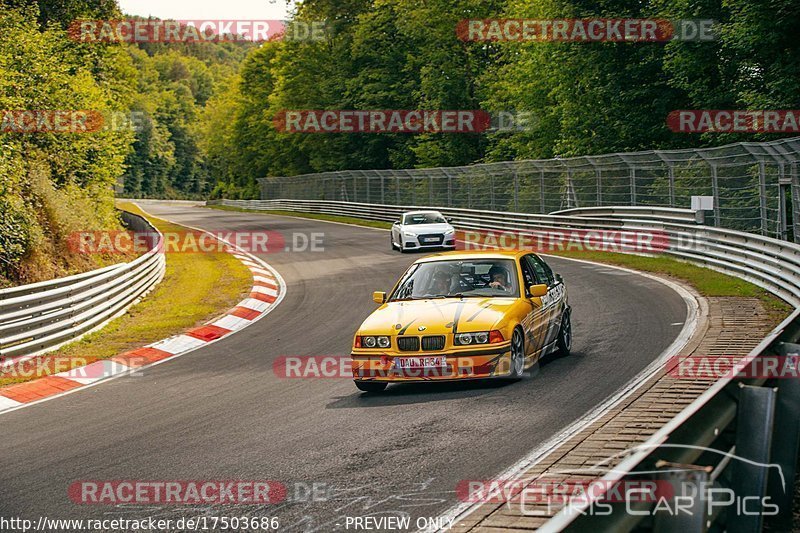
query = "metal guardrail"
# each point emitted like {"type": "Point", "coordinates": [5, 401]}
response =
{"type": "Point", "coordinates": [754, 420]}
{"type": "Point", "coordinates": [40, 317]}
{"type": "Point", "coordinates": [752, 184]}
{"type": "Point", "coordinates": [769, 263]}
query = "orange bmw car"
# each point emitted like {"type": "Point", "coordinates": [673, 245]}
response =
{"type": "Point", "coordinates": [463, 315]}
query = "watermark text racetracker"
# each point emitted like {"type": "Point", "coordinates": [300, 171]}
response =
{"type": "Point", "coordinates": [256, 242]}
{"type": "Point", "coordinates": [408, 121]}
{"type": "Point", "coordinates": [69, 121]}
{"type": "Point", "coordinates": [585, 30]}
{"type": "Point", "coordinates": [565, 240]}
{"type": "Point", "coordinates": [195, 31]}
{"type": "Point", "coordinates": [599, 497]}
{"type": "Point", "coordinates": [203, 522]}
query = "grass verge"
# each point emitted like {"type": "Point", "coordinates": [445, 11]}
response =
{"type": "Point", "coordinates": [196, 288]}
{"type": "Point", "coordinates": [707, 282]}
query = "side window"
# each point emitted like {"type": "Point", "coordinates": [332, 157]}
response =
{"type": "Point", "coordinates": [548, 272]}
{"type": "Point", "coordinates": [527, 273]}
{"type": "Point", "coordinates": [542, 272]}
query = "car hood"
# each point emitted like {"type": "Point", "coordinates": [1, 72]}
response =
{"type": "Point", "coordinates": [420, 229]}
{"type": "Point", "coordinates": [438, 317]}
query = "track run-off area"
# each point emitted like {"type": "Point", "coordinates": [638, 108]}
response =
{"type": "Point", "coordinates": [221, 413]}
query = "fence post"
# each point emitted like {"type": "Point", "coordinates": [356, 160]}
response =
{"type": "Point", "coordinates": [491, 177]}
{"type": "Point", "coordinates": [795, 201]}
{"type": "Point", "coordinates": [449, 189]}
{"type": "Point", "coordinates": [715, 194]}
{"type": "Point", "coordinates": [633, 186]}
{"type": "Point", "coordinates": [599, 175]}
{"type": "Point", "coordinates": [430, 190]}
{"type": "Point", "coordinates": [762, 187]}
{"type": "Point", "coordinates": [671, 175]}
{"type": "Point", "coordinates": [516, 191]}
{"type": "Point", "coordinates": [541, 192]}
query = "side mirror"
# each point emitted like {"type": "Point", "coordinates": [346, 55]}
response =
{"type": "Point", "coordinates": [396, 223]}
{"type": "Point", "coordinates": [537, 291]}
{"type": "Point", "coordinates": [379, 297]}
{"type": "Point", "coordinates": [449, 220]}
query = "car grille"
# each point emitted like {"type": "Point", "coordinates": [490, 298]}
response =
{"type": "Point", "coordinates": [433, 343]}
{"type": "Point", "coordinates": [408, 344]}
{"type": "Point", "coordinates": [435, 239]}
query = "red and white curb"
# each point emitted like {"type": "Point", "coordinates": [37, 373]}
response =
{"type": "Point", "coordinates": [267, 292]}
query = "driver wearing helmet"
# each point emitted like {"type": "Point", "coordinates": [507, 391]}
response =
{"type": "Point", "coordinates": [499, 279]}
{"type": "Point", "coordinates": [442, 281]}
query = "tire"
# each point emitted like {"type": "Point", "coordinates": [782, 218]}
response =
{"type": "Point", "coordinates": [564, 342]}
{"type": "Point", "coordinates": [517, 355]}
{"type": "Point", "coordinates": [371, 386]}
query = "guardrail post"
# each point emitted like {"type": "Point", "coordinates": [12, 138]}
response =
{"type": "Point", "coordinates": [786, 442]}
{"type": "Point", "coordinates": [755, 424]}
{"type": "Point", "coordinates": [689, 495]}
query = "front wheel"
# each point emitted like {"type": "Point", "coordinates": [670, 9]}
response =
{"type": "Point", "coordinates": [565, 334]}
{"type": "Point", "coordinates": [517, 355]}
{"type": "Point", "coordinates": [371, 386]}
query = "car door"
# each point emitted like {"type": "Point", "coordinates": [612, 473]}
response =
{"type": "Point", "coordinates": [553, 302]}
{"type": "Point", "coordinates": [550, 312]}
{"type": "Point", "coordinates": [533, 323]}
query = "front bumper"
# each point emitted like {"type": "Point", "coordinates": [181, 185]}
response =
{"type": "Point", "coordinates": [416, 243]}
{"type": "Point", "coordinates": [491, 362]}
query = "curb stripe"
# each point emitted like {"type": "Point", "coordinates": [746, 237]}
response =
{"type": "Point", "coordinates": [268, 290]}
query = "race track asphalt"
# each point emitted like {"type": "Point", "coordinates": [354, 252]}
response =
{"type": "Point", "coordinates": [220, 413]}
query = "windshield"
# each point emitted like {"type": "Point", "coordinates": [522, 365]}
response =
{"type": "Point", "coordinates": [459, 279]}
{"type": "Point", "coordinates": [424, 218]}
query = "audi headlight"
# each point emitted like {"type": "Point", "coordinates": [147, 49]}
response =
{"type": "Point", "coordinates": [450, 232]}
{"type": "Point", "coordinates": [408, 234]}
{"type": "Point", "coordinates": [465, 339]}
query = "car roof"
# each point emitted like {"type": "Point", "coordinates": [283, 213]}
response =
{"type": "Point", "coordinates": [476, 254]}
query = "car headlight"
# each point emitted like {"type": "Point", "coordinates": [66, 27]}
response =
{"type": "Point", "coordinates": [372, 342]}
{"type": "Point", "coordinates": [481, 337]}
{"type": "Point", "coordinates": [450, 232]}
{"type": "Point", "coordinates": [407, 234]}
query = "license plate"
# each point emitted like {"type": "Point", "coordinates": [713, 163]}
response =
{"type": "Point", "coordinates": [430, 240]}
{"type": "Point", "coordinates": [414, 363]}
